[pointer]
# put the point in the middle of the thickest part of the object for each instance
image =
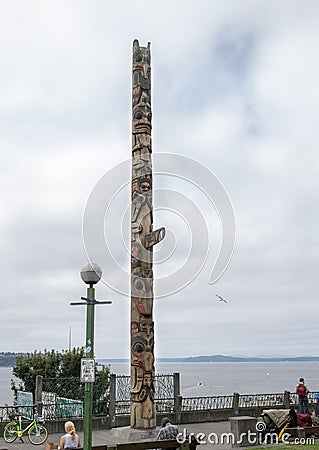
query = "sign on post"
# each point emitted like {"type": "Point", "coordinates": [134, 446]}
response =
{"type": "Point", "coordinates": [87, 370]}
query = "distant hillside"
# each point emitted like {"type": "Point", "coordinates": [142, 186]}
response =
{"type": "Point", "coordinates": [8, 359]}
{"type": "Point", "coordinates": [223, 358]}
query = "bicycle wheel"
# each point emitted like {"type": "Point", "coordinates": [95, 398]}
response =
{"type": "Point", "coordinates": [38, 434]}
{"type": "Point", "coordinates": [10, 432]}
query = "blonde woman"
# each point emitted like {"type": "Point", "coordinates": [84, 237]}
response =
{"type": "Point", "coordinates": [70, 439]}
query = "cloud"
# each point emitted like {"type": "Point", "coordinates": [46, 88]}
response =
{"type": "Point", "coordinates": [234, 87]}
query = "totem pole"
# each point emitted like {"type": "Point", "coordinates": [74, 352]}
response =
{"type": "Point", "coordinates": [143, 238]}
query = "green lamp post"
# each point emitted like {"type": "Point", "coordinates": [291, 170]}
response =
{"type": "Point", "coordinates": [90, 274]}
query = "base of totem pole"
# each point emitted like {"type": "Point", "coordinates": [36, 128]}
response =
{"type": "Point", "coordinates": [126, 434]}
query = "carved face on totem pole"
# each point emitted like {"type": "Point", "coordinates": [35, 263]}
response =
{"type": "Point", "coordinates": [142, 381]}
{"type": "Point", "coordinates": [142, 117]}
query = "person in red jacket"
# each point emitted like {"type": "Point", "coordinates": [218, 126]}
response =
{"type": "Point", "coordinates": [302, 392]}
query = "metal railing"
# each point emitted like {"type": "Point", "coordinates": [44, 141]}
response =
{"type": "Point", "coordinates": [164, 394]}
{"type": "Point", "coordinates": [167, 400]}
{"type": "Point", "coordinates": [64, 398]}
{"type": "Point", "coordinates": [207, 403]}
{"type": "Point", "coordinates": [6, 412]}
{"type": "Point", "coordinates": [313, 398]}
{"type": "Point", "coordinates": [261, 400]}
{"type": "Point", "coordinates": [162, 406]}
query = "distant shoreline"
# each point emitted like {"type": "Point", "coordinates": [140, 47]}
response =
{"type": "Point", "coordinates": [219, 358]}
{"type": "Point", "coordinates": [10, 361]}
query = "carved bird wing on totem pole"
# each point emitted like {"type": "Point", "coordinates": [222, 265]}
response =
{"type": "Point", "coordinates": [154, 237]}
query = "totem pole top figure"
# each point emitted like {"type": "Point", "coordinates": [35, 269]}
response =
{"type": "Point", "coordinates": [141, 72]}
{"type": "Point", "coordinates": [141, 98]}
{"type": "Point", "coordinates": [143, 238]}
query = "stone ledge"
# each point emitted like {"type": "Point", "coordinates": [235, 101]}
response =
{"type": "Point", "coordinates": [128, 434]}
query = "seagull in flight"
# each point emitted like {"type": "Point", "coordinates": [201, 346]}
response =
{"type": "Point", "coordinates": [221, 299]}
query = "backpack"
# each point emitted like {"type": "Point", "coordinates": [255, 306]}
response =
{"type": "Point", "coordinates": [193, 442]}
{"type": "Point", "coordinates": [301, 390]}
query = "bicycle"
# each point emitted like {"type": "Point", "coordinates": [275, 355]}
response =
{"type": "Point", "coordinates": [37, 433]}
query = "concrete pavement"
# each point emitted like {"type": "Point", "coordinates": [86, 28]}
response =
{"type": "Point", "coordinates": [211, 431]}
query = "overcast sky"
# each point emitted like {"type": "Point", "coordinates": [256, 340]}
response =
{"type": "Point", "coordinates": [234, 88]}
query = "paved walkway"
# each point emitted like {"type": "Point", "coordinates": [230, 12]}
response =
{"type": "Point", "coordinates": [118, 435]}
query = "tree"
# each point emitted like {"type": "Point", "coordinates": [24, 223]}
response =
{"type": "Point", "coordinates": [30, 365]}
{"type": "Point", "coordinates": [61, 374]}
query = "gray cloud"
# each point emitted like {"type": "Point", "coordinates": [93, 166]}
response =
{"type": "Point", "coordinates": [235, 88]}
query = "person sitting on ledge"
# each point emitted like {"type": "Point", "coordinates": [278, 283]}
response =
{"type": "Point", "coordinates": [167, 430]}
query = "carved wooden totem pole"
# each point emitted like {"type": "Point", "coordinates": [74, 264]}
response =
{"type": "Point", "coordinates": [143, 238]}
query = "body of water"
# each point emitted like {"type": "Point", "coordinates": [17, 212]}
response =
{"type": "Point", "coordinates": [6, 396]}
{"type": "Point", "coordinates": [207, 379]}
{"type": "Point", "coordinates": [217, 378]}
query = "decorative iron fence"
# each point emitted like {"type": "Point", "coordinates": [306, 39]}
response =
{"type": "Point", "coordinates": [207, 403]}
{"type": "Point", "coordinates": [164, 394]}
{"type": "Point", "coordinates": [70, 387]}
{"type": "Point", "coordinates": [63, 398]}
{"type": "Point", "coordinates": [6, 412]}
{"type": "Point", "coordinates": [164, 387]}
{"type": "Point", "coordinates": [261, 400]}
{"type": "Point", "coordinates": [62, 408]}
{"type": "Point", "coordinates": [313, 399]}
{"type": "Point", "coordinates": [122, 395]}
{"type": "Point", "coordinates": [56, 405]}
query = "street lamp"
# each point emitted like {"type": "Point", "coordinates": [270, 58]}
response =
{"type": "Point", "coordinates": [90, 274]}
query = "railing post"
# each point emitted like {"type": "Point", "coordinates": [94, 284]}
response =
{"type": "Point", "coordinates": [112, 398]}
{"type": "Point", "coordinates": [236, 403]}
{"type": "Point", "coordinates": [38, 394]}
{"type": "Point", "coordinates": [178, 409]}
{"type": "Point", "coordinates": [177, 397]}
{"type": "Point", "coordinates": [177, 384]}
{"type": "Point", "coordinates": [286, 400]}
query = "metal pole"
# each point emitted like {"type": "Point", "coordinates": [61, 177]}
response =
{"type": "Point", "coordinates": [38, 394]}
{"type": "Point", "coordinates": [89, 349]}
